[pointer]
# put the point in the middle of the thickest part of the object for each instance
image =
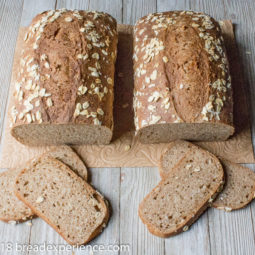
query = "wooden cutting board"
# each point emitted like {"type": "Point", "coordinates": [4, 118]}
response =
{"type": "Point", "coordinates": [125, 150]}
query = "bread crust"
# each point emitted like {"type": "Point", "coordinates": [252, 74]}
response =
{"type": "Point", "coordinates": [181, 77]}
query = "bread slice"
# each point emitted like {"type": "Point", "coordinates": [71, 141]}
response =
{"type": "Point", "coordinates": [66, 155]}
{"type": "Point", "coordinates": [11, 208]}
{"type": "Point", "coordinates": [239, 187]}
{"type": "Point", "coordinates": [65, 201]}
{"type": "Point", "coordinates": [180, 198]}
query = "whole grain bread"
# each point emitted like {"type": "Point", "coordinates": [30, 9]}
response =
{"type": "Point", "coordinates": [11, 208]}
{"type": "Point", "coordinates": [182, 84]}
{"type": "Point", "coordinates": [61, 198]}
{"type": "Point", "coordinates": [180, 198]}
{"type": "Point", "coordinates": [64, 85]}
{"type": "Point", "coordinates": [239, 187]}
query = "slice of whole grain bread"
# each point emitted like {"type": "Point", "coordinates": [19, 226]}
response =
{"type": "Point", "coordinates": [63, 199]}
{"type": "Point", "coordinates": [239, 186]}
{"type": "Point", "coordinates": [182, 196]}
{"type": "Point", "coordinates": [239, 189]}
{"type": "Point", "coordinates": [11, 208]}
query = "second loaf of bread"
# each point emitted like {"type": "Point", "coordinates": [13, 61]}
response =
{"type": "Point", "coordinates": [64, 86]}
{"type": "Point", "coordinates": [182, 81]}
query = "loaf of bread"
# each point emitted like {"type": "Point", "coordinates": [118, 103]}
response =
{"type": "Point", "coordinates": [182, 80]}
{"type": "Point", "coordinates": [64, 86]}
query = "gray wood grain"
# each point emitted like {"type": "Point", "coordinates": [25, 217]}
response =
{"type": "Point", "coordinates": [216, 232]}
{"type": "Point", "coordinates": [73, 4]}
{"type": "Point", "coordinates": [133, 9]}
{"type": "Point", "coordinates": [135, 184]}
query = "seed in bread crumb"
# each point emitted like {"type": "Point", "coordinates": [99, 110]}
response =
{"type": "Point", "coordinates": [197, 169]}
{"type": "Point", "coordinates": [181, 86]}
{"type": "Point", "coordinates": [68, 19]}
{"type": "Point", "coordinates": [125, 106]}
{"type": "Point", "coordinates": [127, 147]}
{"type": "Point", "coordinates": [82, 29]}
{"type": "Point", "coordinates": [165, 59]}
{"type": "Point", "coordinates": [120, 75]}
{"type": "Point", "coordinates": [185, 228]}
{"type": "Point", "coordinates": [39, 200]}
{"type": "Point", "coordinates": [188, 166]}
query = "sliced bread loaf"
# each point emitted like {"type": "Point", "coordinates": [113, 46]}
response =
{"type": "Point", "coordinates": [180, 198]}
{"type": "Point", "coordinates": [11, 208]}
{"type": "Point", "coordinates": [239, 187]}
{"type": "Point", "coordinates": [65, 201]}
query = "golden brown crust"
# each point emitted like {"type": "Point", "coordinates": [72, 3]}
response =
{"type": "Point", "coordinates": [66, 72]}
{"type": "Point", "coordinates": [181, 71]}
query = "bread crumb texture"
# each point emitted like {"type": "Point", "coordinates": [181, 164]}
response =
{"type": "Point", "coordinates": [65, 201]}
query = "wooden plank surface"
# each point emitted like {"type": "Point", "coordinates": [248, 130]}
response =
{"type": "Point", "coordinates": [216, 232]}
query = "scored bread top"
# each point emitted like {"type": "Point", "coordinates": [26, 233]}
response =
{"type": "Point", "coordinates": [239, 187]}
{"type": "Point", "coordinates": [181, 70]}
{"type": "Point", "coordinates": [69, 204]}
{"type": "Point", "coordinates": [66, 70]}
{"type": "Point", "coordinates": [179, 199]}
